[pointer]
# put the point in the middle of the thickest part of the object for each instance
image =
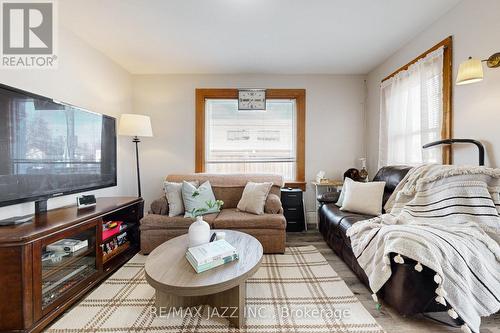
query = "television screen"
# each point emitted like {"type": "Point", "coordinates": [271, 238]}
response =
{"type": "Point", "coordinates": [49, 148]}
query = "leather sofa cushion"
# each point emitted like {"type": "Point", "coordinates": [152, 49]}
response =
{"type": "Point", "coordinates": [342, 219]}
{"type": "Point", "coordinates": [154, 221]}
{"type": "Point", "coordinates": [392, 176]}
{"type": "Point", "coordinates": [232, 218]}
{"type": "Point", "coordinates": [349, 220]}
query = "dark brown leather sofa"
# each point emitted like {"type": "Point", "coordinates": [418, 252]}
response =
{"type": "Point", "coordinates": [408, 291]}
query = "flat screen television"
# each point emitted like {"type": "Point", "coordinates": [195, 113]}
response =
{"type": "Point", "coordinates": [49, 149]}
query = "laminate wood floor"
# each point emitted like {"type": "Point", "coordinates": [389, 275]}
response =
{"type": "Point", "coordinates": [388, 318]}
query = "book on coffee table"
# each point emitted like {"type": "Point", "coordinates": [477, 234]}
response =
{"type": "Point", "coordinates": [210, 255]}
{"type": "Point", "coordinates": [213, 264]}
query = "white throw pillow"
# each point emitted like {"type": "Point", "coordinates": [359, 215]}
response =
{"type": "Point", "coordinates": [173, 192]}
{"type": "Point", "coordinates": [199, 201]}
{"type": "Point", "coordinates": [340, 201]}
{"type": "Point", "coordinates": [254, 197]}
{"type": "Point", "coordinates": [363, 198]}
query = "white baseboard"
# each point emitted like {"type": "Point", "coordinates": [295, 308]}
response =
{"type": "Point", "coordinates": [311, 220]}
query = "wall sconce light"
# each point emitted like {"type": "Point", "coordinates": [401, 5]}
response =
{"type": "Point", "coordinates": [471, 70]}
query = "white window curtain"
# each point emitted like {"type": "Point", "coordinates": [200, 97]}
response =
{"type": "Point", "coordinates": [411, 105]}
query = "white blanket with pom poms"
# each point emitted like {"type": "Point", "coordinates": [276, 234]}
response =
{"type": "Point", "coordinates": [445, 218]}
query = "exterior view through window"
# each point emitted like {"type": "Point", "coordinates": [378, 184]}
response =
{"type": "Point", "coordinates": [257, 141]}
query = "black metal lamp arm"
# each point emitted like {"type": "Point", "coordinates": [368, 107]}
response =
{"type": "Point", "coordinates": [479, 145]}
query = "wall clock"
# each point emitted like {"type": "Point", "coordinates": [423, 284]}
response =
{"type": "Point", "coordinates": [252, 99]}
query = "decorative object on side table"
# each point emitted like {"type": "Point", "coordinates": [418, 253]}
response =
{"type": "Point", "coordinates": [293, 209]}
{"type": "Point", "coordinates": [136, 125]}
{"type": "Point", "coordinates": [363, 173]}
{"type": "Point", "coordinates": [353, 173]}
{"type": "Point", "coordinates": [320, 177]}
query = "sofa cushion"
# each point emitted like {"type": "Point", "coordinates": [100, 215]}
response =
{"type": "Point", "coordinates": [173, 193]}
{"type": "Point", "coordinates": [199, 201]}
{"type": "Point", "coordinates": [230, 195]}
{"type": "Point", "coordinates": [154, 221]}
{"type": "Point", "coordinates": [254, 197]}
{"type": "Point", "coordinates": [232, 218]}
{"type": "Point", "coordinates": [362, 198]}
{"type": "Point", "coordinates": [229, 187]}
{"type": "Point", "coordinates": [341, 220]}
{"type": "Point", "coordinates": [273, 204]}
{"type": "Point", "coordinates": [159, 206]}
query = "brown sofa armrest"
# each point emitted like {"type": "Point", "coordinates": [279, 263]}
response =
{"type": "Point", "coordinates": [159, 206]}
{"type": "Point", "coordinates": [273, 204]}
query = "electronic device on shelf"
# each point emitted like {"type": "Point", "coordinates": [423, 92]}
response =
{"type": "Point", "coordinates": [68, 245]}
{"type": "Point", "coordinates": [86, 201]}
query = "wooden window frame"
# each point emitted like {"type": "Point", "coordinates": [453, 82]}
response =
{"type": "Point", "coordinates": [446, 130]}
{"type": "Point", "coordinates": [300, 98]}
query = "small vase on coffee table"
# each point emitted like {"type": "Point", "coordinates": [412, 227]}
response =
{"type": "Point", "coordinates": [199, 232]}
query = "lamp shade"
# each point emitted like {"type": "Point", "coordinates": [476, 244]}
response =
{"type": "Point", "coordinates": [135, 125]}
{"type": "Point", "coordinates": [470, 71]}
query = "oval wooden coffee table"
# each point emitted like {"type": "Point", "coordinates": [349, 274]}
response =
{"type": "Point", "coordinates": [178, 285]}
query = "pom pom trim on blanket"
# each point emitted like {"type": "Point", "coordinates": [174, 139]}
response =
{"type": "Point", "coordinates": [418, 267]}
{"type": "Point", "coordinates": [440, 293]}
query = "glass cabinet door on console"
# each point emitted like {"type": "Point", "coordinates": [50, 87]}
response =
{"type": "Point", "coordinates": [65, 263]}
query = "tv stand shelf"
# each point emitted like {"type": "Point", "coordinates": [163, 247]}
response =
{"type": "Point", "coordinates": [36, 283]}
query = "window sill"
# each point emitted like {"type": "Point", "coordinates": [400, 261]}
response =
{"type": "Point", "coordinates": [296, 184]}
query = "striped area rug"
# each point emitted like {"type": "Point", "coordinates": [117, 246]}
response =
{"type": "Point", "coordinates": [294, 292]}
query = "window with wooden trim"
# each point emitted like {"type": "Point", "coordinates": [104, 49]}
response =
{"type": "Point", "coordinates": [415, 109]}
{"type": "Point", "coordinates": [229, 140]}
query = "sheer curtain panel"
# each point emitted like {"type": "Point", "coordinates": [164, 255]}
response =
{"type": "Point", "coordinates": [411, 105]}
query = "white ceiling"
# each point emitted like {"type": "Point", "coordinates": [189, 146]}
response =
{"type": "Point", "coordinates": [249, 36]}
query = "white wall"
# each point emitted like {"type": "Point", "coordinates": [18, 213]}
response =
{"type": "Point", "coordinates": [88, 79]}
{"type": "Point", "coordinates": [475, 27]}
{"type": "Point", "coordinates": [334, 122]}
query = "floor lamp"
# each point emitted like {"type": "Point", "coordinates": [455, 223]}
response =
{"type": "Point", "coordinates": [135, 125]}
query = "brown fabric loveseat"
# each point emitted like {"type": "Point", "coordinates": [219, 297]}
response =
{"type": "Point", "coordinates": [269, 228]}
